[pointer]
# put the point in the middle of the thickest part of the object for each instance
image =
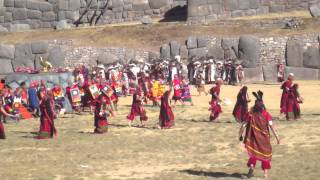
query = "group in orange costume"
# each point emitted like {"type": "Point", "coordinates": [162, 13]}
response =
{"type": "Point", "coordinates": [256, 124]}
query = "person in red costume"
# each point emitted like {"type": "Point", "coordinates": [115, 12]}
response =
{"type": "Point", "coordinates": [47, 127]}
{"type": "Point", "coordinates": [257, 136]}
{"type": "Point", "coordinates": [166, 117]}
{"type": "Point", "coordinates": [215, 107]}
{"type": "Point", "coordinates": [286, 86]}
{"type": "Point", "coordinates": [137, 108]}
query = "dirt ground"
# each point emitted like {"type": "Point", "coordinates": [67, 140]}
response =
{"type": "Point", "coordinates": [193, 149]}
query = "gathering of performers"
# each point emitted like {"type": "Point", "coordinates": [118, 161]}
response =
{"type": "Point", "coordinates": [100, 89]}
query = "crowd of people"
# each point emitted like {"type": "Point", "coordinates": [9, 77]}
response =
{"type": "Point", "coordinates": [99, 89]}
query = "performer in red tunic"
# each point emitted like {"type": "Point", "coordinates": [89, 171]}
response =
{"type": "Point", "coordinates": [137, 108]}
{"type": "Point", "coordinates": [47, 127]}
{"type": "Point", "coordinates": [285, 91]}
{"type": "Point", "coordinates": [293, 107]}
{"type": "Point", "coordinates": [102, 111]}
{"type": "Point", "coordinates": [257, 136]}
{"type": "Point", "coordinates": [166, 117]}
{"type": "Point", "coordinates": [241, 108]}
{"type": "Point", "coordinates": [177, 90]}
{"type": "Point", "coordinates": [215, 107]}
{"type": "Point", "coordinates": [5, 114]}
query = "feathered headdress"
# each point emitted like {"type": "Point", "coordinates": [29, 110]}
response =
{"type": "Point", "coordinates": [258, 105]}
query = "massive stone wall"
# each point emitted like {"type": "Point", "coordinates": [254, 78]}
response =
{"type": "Point", "coordinates": [207, 11]}
{"type": "Point", "coordinates": [20, 15]}
{"type": "Point", "coordinates": [260, 55]}
{"type": "Point", "coordinates": [300, 54]}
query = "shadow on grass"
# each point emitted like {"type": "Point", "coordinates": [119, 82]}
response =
{"type": "Point", "coordinates": [214, 174]}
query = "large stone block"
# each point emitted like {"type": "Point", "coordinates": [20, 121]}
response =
{"type": "Point", "coordinates": [253, 74]}
{"type": "Point", "coordinates": [249, 50]}
{"type": "Point", "coordinates": [230, 47]}
{"type": "Point", "coordinates": [8, 17]}
{"type": "Point", "coordinates": [165, 51]}
{"type": "Point", "coordinates": [302, 73]}
{"type": "Point", "coordinates": [49, 16]}
{"type": "Point", "coordinates": [45, 7]}
{"type": "Point", "coordinates": [56, 57]}
{"type": "Point", "coordinates": [23, 56]}
{"type": "Point", "coordinates": [254, 4]}
{"type": "Point", "coordinates": [33, 5]}
{"type": "Point", "coordinates": [74, 5]}
{"type": "Point", "coordinates": [311, 58]}
{"type": "Point", "coordinates": [19, 27]}
{"type": "Point", "coordinates": [315, 10]}
{"type": "Point", "coordinates": [34, 14]}
{"type": "Point", "coordinates": [174, 48]}
{"type": "Point", "coordinates": [6, 66]}
{"type": "Point", "coordinates": [231, 5]}
{"type": "Point", "coordinates": [8, 3]}
{"type": "Point", "coordinates": [40, 47]}
{"type": "Point", "coordinates": [294, 53]}
{"type": "Point", "coordinates": [63, 5]}
{"type": "Point", "coordinates": [202, 42]}
{"type": "Point", "coordinates": [7, 51]}
{"type": "Point", "coordinates": [72, 15]}
{"type": "Point", "coordinates": [116, 3]}
{"type": "Point", "coordinates": [270, 73]}
{"type": "Point", "coordinates": [216, 52]}
{"type": "Point", "coordinates": [192, 43]}
{"type": "Point", "coordinates": [20, 3]}
{"type": "Point", "coordinates": [19, 14]}
{"type": "Point", "coordinates": [140, 5]}
{"type": "Point", "coordinates": [157, 4]}
{"type": "Point", "coordinates": [184, 52]}
{"type": "Point", "coordinates": [198, 52]}
{"type": "Point", "coordinates": [2, 11]}
{"type": "Point", "coordinates": [244, 4]}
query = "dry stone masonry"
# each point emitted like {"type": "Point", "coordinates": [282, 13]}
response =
{"type": "Point", "coordinates": [21, 15]}
{"type": "Point", "coordinates": [260, 55]}
{"type": "Point", "coordinates": [208, 11]}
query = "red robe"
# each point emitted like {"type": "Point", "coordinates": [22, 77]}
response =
{"type": "Point", "coordinates": [241, 108]}
{"type": "Point", "coordinates": [166, 116]}
{"type": "Point", "coordinates": [292, 106]}
{"type": "Point", "coordinates": [284, 98]}
{"type": "Point", "coordinates": [257, 138]}
{"type": "Point", "coordinates": [215, 106]}
{"type": "Point", "coordinates": [100, 119]}
{"type": "Point", "coordinates": [47, 128]}
{"type": "Point", "coordinates": [177, 89]}
{"type": "Point", "coordinates": [2, 134]}
{"type": "Point", "coordinates": [137, 108]}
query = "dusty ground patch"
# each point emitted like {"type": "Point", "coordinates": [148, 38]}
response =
{"type": "Point", "coordinates": [193, 149]}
